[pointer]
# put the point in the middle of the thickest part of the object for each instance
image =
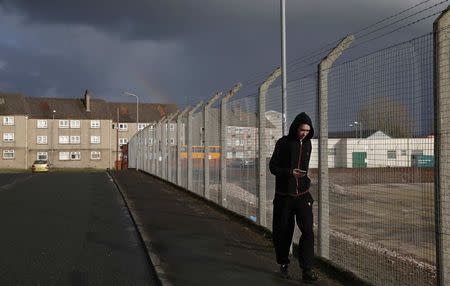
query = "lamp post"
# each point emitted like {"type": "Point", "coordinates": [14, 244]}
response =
{"type": "Point", "coordinates": [137, 106]}
{"type": "Point", "coordinates": [137, 118]}
{"type": "Point", "coordinates": [357, 125]}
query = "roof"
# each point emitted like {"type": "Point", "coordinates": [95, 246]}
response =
{"type": "Point", "coordinates": [148, 112]}
{"type": "Point", "coordinates": [74, 108]}
{"type": "Point", "coordinates": [70, 108]}
{"type": "Point", "coordinates": [12, 104]}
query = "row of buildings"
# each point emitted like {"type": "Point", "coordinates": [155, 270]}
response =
{"type": "Point", "coordinates": [85, 133]}
{"type": "Point", "coordinates": [69, 132]}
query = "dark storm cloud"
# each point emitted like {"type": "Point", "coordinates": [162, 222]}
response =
{"type": "Point", "coordinates": [171, 49]}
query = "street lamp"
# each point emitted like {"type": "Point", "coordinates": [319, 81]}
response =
{"type": "Point", "coordinates": [137, 107]}
{"type": "Point", "coordinates": [357, 124]}
{"type": "Point", "coordinates": [137, 118]}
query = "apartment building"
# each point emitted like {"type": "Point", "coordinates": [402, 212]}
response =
{"type": "Point", "coordinates": [69, 132]}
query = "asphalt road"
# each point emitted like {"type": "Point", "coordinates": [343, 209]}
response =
{"type": "Point", "coordinates": [68, 229]}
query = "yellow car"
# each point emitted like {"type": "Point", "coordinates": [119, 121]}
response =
{"type": "Point", "coordinates": [40, 166]}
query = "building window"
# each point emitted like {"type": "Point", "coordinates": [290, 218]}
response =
{"type": "Point", "coordinates": [229, 129]}
{"type": "Point", "coordinates": [228, 142]}
{"type": "Point", "coordinates": [63, 140]}
{"type": "Point", "coordinates": [8, 120]}
{"type": "Point", "coordinates": [64, 124]}
{"type": "Point", "coordinates": [404, 153]}
{"type": "Point", "coordinates": [142, 126]}
{"type": "Point", "coordinates": [239, 130]}
{"type": "Point", "coordinates": [9, 154]}
{"type": "Point", "coordinates": [152, 127]}
{"type": "Point", "coordinates": [41, 139]}
{"type": "Point", "coordinates": [42, 123]}
{"type": "Point", "coordinates": [95, 155]}
{"type": "Point", "coordinates": [8, 137]}
{"type": "Point", "coordinates": [75, 139]}
{"type": "Point", "coordinates": [74, 123]}
{"type": "Point", "coordinates": [64, 156]}
{"type": "Point", "coordinates": [392, 154]}
{"type": "Point", "coordinates": [417, 152]}
{"type": "Point", "coordinates": [150, 141]}
{"type": "Point", "coordinates": [332, 152]}
{"type": "Point", "coordinates": [95, 123]}
{"type": "Point", "coordinates": [123, 141]}
{"type": "Point", "coordinates": [75, 156]}
{"type": "Point", "coordinates": [95, 139]}
{"type": "Point", "coordinates": [123, 126]}
{"type": "Point", "coordinates": [42, 156]}
{"type": "Point", "coordinates": [172, 141]}
{"type": "Point", "coordinates": [172, 127]}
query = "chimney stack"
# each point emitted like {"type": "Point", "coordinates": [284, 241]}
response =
{"type": "Point", "coordinates": [87, 100]}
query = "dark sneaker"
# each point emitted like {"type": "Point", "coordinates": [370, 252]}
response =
{"type": "Point", "coordinates": [309, 276]}
{"type": "Point", "coordinates": [284, 271]}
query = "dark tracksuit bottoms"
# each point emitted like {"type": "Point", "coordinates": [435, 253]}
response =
{"type": "Point", "coordinates": [285, 209]}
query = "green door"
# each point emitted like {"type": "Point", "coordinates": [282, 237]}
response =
{"type": "Point", "coordinates": [359, 160]}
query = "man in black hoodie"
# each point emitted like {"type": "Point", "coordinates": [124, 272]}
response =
{"type": "Point", "coordinates": [290, 163]}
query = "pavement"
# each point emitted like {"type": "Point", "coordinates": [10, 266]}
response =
{"type": "Point", "coordinates": [191, 242]}
{"type": "Point", "coordinates": [68, 229]}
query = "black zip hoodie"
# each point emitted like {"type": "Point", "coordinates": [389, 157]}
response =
{"type": "Point", "coordinates": [290, 153]}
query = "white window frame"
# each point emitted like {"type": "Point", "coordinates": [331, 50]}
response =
{"type": "Point", "coordinates": [75, 139]}
{"type": "Point", "coordinates": [13, 152]}
{"type": "Point", "coordinates": [172, 141]}
{"type": "Point", "coordinates": [63, 123]}
{"type": "Point", "coordinates": [41, 139]}
{"type": "Point", "coordinates": [95, 139]}
{"type": "Point", "coordinates": [42, 154]}
{"type": "Point", "coordinates": [123, 141]}
{"type": "Point", "coordinates": [8, 120]}
{"type": "Point", "coordinates": [64, 156]}
{"type": "Point", "coordinates": [150, 141]}
{"type": "Point", "coordinates": [172, 126]}
{"type": "Point", "coordinates": [75, 124]}
{"type": "Point", "coordinates": [229, 129]}
{"type": "Point", "coordinates": [141, 126]}
{"type": "Point", "coordinates": [95, 124]}
{"type": "Point", "coordinates": [41, 123]}
{"type": "Point", "coordinates": [96, 155]}
{"type": "Point", "coordinates": [75, 156]}
{"type": "Point", "coordinates": [123, 126]}
{"type": "Point", "coordinates": [64, 139]}
{"type": "Point", "coordinates": [8, 137]}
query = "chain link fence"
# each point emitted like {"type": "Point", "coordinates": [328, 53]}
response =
{"type": "Point", "coordinates": [379, 165]}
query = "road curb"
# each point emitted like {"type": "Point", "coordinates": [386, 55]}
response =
{"type": "Point", "coordinates": [153, 258]}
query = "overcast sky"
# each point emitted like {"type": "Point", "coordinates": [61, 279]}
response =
{"type": "Point", "coordinates": [177, 51]}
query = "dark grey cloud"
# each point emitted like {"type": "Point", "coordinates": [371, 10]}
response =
{"type": "Point", "coordinates": [172, 50]}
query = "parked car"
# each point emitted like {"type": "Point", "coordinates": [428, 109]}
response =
{"type": "Point", "coordinates": [40, 166]}
{"type": "Point", "coordinates": [247, 163]}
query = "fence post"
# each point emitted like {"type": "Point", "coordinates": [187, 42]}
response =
{"type": "Point", "coordinates": [169, 157]}
{"type": "Point", "coordinates": [441, 28]}
{"type": "Point", "coordinates": [222, 195]}
{"type": "Point", "coordinates": [180, 143]}
{"type": "Point", "coordinates": [189, 144]}
{"type": "Point", "coordinates": [324, 207]}
{"type": "Point", "coordinates": [262, 147]}
{"type": "Point", "coordinates": [157, 144]}
{"type": "Point", "coordinates": [207, 143]}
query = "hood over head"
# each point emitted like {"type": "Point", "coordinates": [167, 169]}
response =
{"type": "Point", "coordinates": [300, 119]}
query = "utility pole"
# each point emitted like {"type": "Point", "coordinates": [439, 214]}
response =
{"type": "Point", "coordinates": [283, 65]}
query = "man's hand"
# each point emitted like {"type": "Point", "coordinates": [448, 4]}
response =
{"type": "Point", "coordinates": [298, 173]}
